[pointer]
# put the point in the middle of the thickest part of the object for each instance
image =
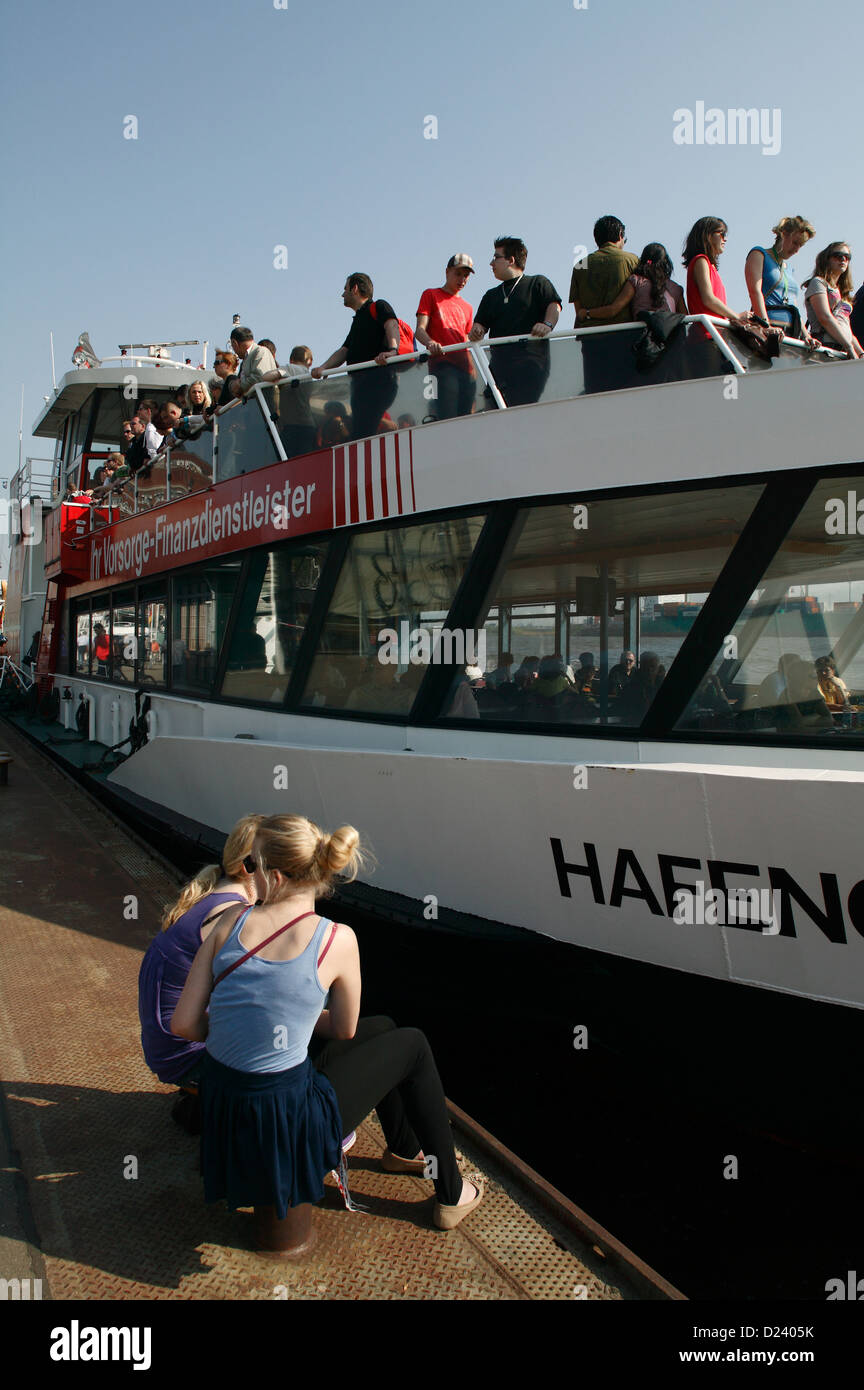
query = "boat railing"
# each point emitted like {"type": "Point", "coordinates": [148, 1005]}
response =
{"type": "Point", "coordinates": [32, 481]}
{"type": "Point", "coordinates": [298, 414]}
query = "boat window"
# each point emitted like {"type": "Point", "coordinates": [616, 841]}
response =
{"type": "Point", "coordinates": [123, 641]}
{"type": "Point", "coordinates": [393, 584]}
{"type": "Point", "coordinates": [81, 628]}
{"type": "Point", "coordinates": [201, 604]}
{"type": "Point", "coordinates": [152, 637]}
{"type": "Point", "coordinates": [243, 441]}
{"type": "Point", "coordinates": [273, 612]}
{"type": "Point", "coordinates": [100, 645]}
{"type": "Point", "coordinates": [772, 676]}
{"type": "Point", "coordinates": [584, 587]}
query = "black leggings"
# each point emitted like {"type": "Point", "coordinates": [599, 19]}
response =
{"type": "Point", "coordinates": [392, 1070]}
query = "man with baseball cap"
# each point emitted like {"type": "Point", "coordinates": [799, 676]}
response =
{"type": "Point", "coordinates": [444, 317]}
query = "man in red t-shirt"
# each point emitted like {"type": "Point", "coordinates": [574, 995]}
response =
{"type": "Point", "coordinates": [444, 317]}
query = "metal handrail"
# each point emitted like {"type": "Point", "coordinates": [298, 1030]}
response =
{"type": "Point", "coordinates": [709, 322]}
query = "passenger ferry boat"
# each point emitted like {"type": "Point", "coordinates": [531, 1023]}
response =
{"type": "Point", "coordinates": [241, 596]}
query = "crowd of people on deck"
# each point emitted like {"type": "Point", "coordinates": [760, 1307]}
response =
{"type": "Point", "coordinates": [249, 1002]}
{"type": "Point", "coordinates": [610, 286]}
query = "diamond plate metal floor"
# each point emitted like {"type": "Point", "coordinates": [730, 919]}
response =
{"type": "Point", "coordinates": [113, 1184]}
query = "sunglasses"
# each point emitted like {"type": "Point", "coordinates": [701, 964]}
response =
{"type": "Point", "coordinates": [841, 256]}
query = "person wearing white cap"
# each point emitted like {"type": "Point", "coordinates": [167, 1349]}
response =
{"type": "Point", "coordinates": [443, 318]}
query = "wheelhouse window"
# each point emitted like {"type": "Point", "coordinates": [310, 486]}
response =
{"type": "Point", "coordinates": [393, 583]}
{"type": "Point", "coordinates": [793, 664]}
{"type": "Point", "coordinates": [272, 615]}
{"type": "Point", "coordinates": [593, 601]}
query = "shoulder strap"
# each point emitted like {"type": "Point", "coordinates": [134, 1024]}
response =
{"type": "Point", "coordinates": [372, 310]}
{"type": "Point", "coordinates": [260, 946]}
{"type": "Point", "coordinates": [335, 928]}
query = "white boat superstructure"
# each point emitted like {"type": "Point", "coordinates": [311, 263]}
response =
{"type": "Point", "coordinates": [710, 524]}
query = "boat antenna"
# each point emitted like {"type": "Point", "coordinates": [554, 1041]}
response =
{"type": "Point", "coordinates": [21, 428]}
{"type": "Point", "coordinates": [53, 373]}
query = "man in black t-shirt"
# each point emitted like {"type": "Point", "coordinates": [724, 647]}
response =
{"type": "Point", "coordinates": [520, 304]}
{"type": "Point", "coordinates": [373, 335]}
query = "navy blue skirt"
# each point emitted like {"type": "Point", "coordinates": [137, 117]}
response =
{"type": "Point", "coordinates": [267, 1138]}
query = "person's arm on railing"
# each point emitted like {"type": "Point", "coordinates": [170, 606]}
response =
{"type": "Point", "coordinates": [713, 305]}
{"type": "Point", "coordinates": [477, 332]}
{"type": "Point", "coordinates": [753, 269]}
{"type": "Point", "coordinates": [837, 328]}
{"type": "Point", "coordinates": [435, 348]}
{"type": "Point", "coordinates": [391, 330]}
{"type": "Point", "coordinates": [336, 359]}
{"type": "Point", "coordinates": [549, 321]}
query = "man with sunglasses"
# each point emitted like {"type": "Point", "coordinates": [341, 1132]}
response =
{"type": "Point", "coordinates": [521, 304]}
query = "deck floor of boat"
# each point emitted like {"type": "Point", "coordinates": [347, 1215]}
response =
{"type": "Point", "coordinates": [109, 1193]}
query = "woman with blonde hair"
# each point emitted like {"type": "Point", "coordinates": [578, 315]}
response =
{"type": "Point", "coordinates": [772, 288]}
{"type": "Point", "coordinates": [168, 960]}
{"type": "Point", "coordinates": [829, 299]}
{"type": "Point", "coordinates": [272, 1124]}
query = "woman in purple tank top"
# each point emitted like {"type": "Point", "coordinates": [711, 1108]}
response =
{"type": "Point", "coordinates": [185, 927]}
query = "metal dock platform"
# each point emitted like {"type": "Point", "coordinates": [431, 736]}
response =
{"type": "Point", "coordinates": [100, 1193]}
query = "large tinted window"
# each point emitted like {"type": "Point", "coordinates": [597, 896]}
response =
{"type": "Point", "coordinates": [772, 675]}
{"type": "Point", "coordinates": [81, 637]}
{"type": "Point", "coordinates": [395, 582]}
{"type": "Point", "coordinates": [583, 586]}
{"type": "Point", "coordinates": [123, 640]}
{"type": "Point", "coordinates": [272, 614]}
{"type": "Point", "coordinates": [152, 636]}
{"type": "Point", "coordinates": [201, 604]}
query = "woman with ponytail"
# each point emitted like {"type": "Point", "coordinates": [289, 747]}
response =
{"type": "Point", "coordinates": [273, 1123]}
{"type": "Point", "coordinates": [648, 289]}
{"type": "Point", "coordinates": [185, 926]}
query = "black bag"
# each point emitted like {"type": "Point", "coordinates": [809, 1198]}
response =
{"type": "Point", "coordinates": [660, 326]}
{"type": "Point", "coordinates": [757, 337]}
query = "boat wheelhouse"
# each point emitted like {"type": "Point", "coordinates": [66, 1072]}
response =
{"type": "Point", "coordinates": [692, 516]}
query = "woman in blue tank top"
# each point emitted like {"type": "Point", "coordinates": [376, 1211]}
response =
{"type": "Point", "coordinates": [169, 957]}
{"type": "Point", "coordinates": [272, 1124]}
{"type": "Point", "coordinates": [772, 288]}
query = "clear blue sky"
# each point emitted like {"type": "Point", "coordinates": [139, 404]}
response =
{"type": "Point", "coordinates": [304, 127]}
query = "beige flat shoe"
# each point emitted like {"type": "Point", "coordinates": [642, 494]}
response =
{"type": "Point", "coordinates": [392, 1163]}
{"type": "Point", "coordinates": [446, 1218]}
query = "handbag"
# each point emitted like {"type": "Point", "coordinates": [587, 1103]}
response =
{"type": "Point", "coordinates": [758, 337]}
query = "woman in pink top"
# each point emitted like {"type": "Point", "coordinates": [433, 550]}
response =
{"type": "Point", "coordinates": [706, 293]}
